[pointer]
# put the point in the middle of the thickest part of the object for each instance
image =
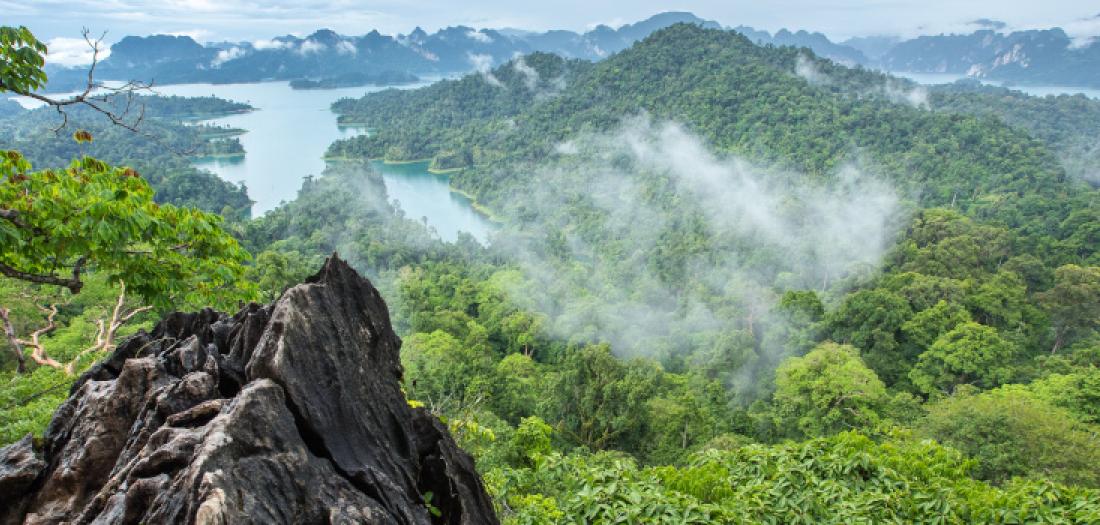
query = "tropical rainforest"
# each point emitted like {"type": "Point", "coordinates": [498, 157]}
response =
{"type": "Point", "coordinates": [729, 283]}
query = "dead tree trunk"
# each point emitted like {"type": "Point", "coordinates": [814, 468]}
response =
{"type": "Point", "coordinates": [9, 331]}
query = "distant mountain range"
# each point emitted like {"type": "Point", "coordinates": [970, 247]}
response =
{"type": "Point", "coordinates": [1035, 56]}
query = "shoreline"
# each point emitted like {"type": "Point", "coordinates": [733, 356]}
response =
{"type": "Point", "coordinates": [479, 208]}
{"type": "Point", "coordinates": [218, 156]}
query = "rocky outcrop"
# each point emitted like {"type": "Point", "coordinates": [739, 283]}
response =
{"type": "Point", "coordinates": [286, 413]}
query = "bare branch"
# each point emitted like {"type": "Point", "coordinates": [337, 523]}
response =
{"type": "Point", "coordinates": [88, 98]}
{"type": "Point", "coordinates": [16, 347]}
{"type": "Point", "coordinates": [106, 331]}
{"type": "Point", "coordinates": [38, 352]}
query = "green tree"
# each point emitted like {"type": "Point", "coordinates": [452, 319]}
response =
{"type": "Point", "coordinates": [445, 374]}
{"type": "Point", "coordinates": [516, 389]}
{"type": "Point", "coordinates": [971, 354]}
{"type": "Point", "coordinates": [1013, 434]}
{"type": "Point", "coordinates": [57, 224]}
{"type": "Point", "coordinates": [91, 216]}
{"type": "Point", "coordinates": [22, 57]}
{"type": "Point", "coordinates": [871, 320]}
{"type": "Point", "coordinates": [597, 400]}
{"type": "Point", "coordinates": [532, 440]}
{"type": "Point", "coordinates": [828, 390]}
{"type": "Point", "coordinates": [1073, 302]}
{"type": "Point", "coordinates": [928, 325]}
{"type": "Point", "coordinates": [274, 271]}
{"type": "Point", "coordinates": [1078, 392]}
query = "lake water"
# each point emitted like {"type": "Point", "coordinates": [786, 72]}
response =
{"type": "Point", "coordinates": [287, 137]}
{"type": "Point", "coordinates": [428, 196]}
{"type": "Point", "coordinates": [1039, 91]}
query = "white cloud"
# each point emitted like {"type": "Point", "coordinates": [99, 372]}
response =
{"type": "Point", "coordinates": [916, 96]}
{"type": "Point", "coordinates": [346, 48]}
{"type": "Point", "coordinates": [226, 55]}
{"type": "Point", "coordinates": [808, 234]}
{"type": "Point", "coordinates": [270, 44]}
{"type": "Point", "coordinates": [484, 64]}
{"type": "Point", "coordinates": [198, 35]}
{"type": "Point", "coordinates": [808, 70]}
{"type": "Point", "coordinates": [1084, 31]}
{"type": "Point", "coordinates": [479, 36]}
{"type": "Point", "coordinates": [71, 52]}
{"type": "Point", "coordinates": [530, 76]}
{"type": "Point", "coordinates": [310, 47]}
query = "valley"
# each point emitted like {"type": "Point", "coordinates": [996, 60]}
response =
{"type": "Point", "coordinates": [669, 272]}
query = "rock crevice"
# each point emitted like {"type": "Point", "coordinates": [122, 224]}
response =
{"type": "Point", "coordinates": [286, 413]}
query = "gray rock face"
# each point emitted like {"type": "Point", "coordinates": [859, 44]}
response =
{"type": "Point", "coordinates": [285, 413]}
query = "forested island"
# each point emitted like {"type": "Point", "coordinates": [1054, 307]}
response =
{"type": "Point", "coordinates": [162, 153]}
{"type": "Point", "coordinates": [732, 283]}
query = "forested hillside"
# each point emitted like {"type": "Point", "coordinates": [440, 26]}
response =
{"type": "Point", "coordinates": [731, 284]}
{"type": "Point", "coordinates": [161, 152]}
{"type": "Point", "coordinates": [819, 249]}
{"type": "Point", "coordinates": [1070, 125]}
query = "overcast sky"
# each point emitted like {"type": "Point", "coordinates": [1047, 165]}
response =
{"type": "Point", "coordinates": [237, 20]}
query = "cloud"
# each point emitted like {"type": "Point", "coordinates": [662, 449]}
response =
{"type": "Point", "coordinates": [742, 234]}
{"type": "Point", "coordinates": [309, 47]}
{"type": "Point", "coordinates": [1084, 31]}
{"type": "Point", "coordinates": [198, 35]}
{"type": "Point", "coordinates": [71, 52]}
{"type": "Point", "coordinates": [483, 64]}
{"type": "Point", "coordinates": [345, 47]}
{"type": "Point", "coordinates": [903, 93]}
{"type": "Point", "coordinates": [529, 74]}
{"type": "Point", "coordinates": [479, 36]}
{"type": "Point", "coordinates": [808, 70]}
{"type": "Point", "coordinates": [894, 90]}
{"type": "Point", "coordinates": [265, 44]}
{"type": "Point", "coordinates": [226, 55]}
{"type": "Point", "coordinates": [988, 23]}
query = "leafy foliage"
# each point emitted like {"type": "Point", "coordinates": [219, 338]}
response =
{"type": "Point", "coordinates": [162, 152]}
{"type": "Point", "coordinates": [1012, 435]}
{"type": "Point", "coordinates": [93, 214]}
{"type": "Point", "coordinates": [826, 391]}
{"type": "Point", "coordinates": [22, 57]}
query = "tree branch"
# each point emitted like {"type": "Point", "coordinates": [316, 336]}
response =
{"type": "Point", "coordinates": [106, 332]}
{"type": "Point", "coordinates": [9, 330]}
{"type": "Point", "coordinates": [38, 352]}
{"type": "Point", "coordinates": [74, 284]}
{"type": "Point", "coordinates": [88, 98]}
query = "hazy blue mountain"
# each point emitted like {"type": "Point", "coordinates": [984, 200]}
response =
{"type": "Point", "coordinates": [1047, 56]}
{"type": "Point", "coordinates": [1035, 56]}
{"type": "Point", "coordinates": [873, 47]}
{"type": "Point", "coordinates": [326, 54]}
{"type": "Point", "coordinates": [9, 107]}
{"type": "Point", "coordinates": [817, 42]}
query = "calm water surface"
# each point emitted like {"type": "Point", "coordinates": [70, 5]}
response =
{"type": "Point", "coordinates": [287, 137]}
{"type": "Point", "coordinates": [1037, 90]}
{"type": "Point", "coordinates": [428, 197]}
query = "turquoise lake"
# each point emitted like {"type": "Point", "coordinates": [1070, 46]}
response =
{"type": "Point", "coordinates": [287, 136]}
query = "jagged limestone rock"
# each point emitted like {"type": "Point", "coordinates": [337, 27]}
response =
{"type": "Point", "coordinates": [285, 413]}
